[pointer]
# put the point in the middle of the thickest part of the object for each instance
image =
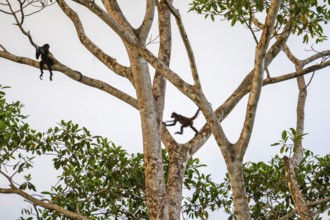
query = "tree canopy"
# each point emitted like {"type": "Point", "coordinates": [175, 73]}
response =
{"type": "Point", "coordinates": [273, 25]}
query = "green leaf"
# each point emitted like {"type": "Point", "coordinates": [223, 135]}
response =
{"type": "Point", "coordinates": [284, 135]}
{"type": "Point", "coordinates": [2, 126]}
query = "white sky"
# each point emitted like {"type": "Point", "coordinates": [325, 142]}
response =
{"type": "Point", "coordinates": [224, 56]}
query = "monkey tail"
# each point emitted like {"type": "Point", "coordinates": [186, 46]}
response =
{"type": "Point", "coordinates": [196, 114]}
{"type": "Point", "coordinates": [80, 74]}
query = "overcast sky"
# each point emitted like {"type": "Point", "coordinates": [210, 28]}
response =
{"type": "Point", "coordinates": [224, 55]}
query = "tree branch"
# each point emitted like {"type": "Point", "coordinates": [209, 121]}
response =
{"type": "Point", "coordinates": [315, 203]}
{"type": "Point", "coordinates": [107, 60]}
{"type": "Point", "coordinates": [144, 28]}
{"type": "Point", "coordinates": [186, 42]}
{"type": "Point", "coordinates": [43, 204]}
{"type": "Point", "coordinates": [113, 9]}
{"type": "Point", "coordinates": [75, 75]}
{"type": "Point", "coordinates": [297, 73]}
{"type": "Point", "coordinates": [257, 79]}
{"type": "Point", "coordinates": [244, 88]}
{"type": "Point", "coordinates": [132, 40]}
{"type": "Point", "coordinates": [19, 22]}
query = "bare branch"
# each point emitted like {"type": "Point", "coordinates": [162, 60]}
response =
{"type": "Point", "coordinates": [75, 75]}
{"type": "Point", "coordinates": [164, 55]}
{"type": "Point", "coordinates": [43, 204]}
{"type": "Point", "coordinates": [144, 28]}
{"type": "Point", "coordinates": [223, 110]}
{"type": "Point", "coordinates": [324, 55]}
{"type": "Point", "coordinates": [132, 40]}
{"type": "Point", "coordinates": [297, 73]}
{"type": "Point", "coordinates": [257, 78]}
{"type": "Point", "coordinates": [186, 42]}
{"type": "Point", "coordinates": [8, 178]}
{"type": "Point", "coordinates": [19, 23]}
{"type": "Point", "coordinates": [3, 48]}
{"type": "Point", "coordinates": [107, 60]}
{"type": "Point", "coordinates": [113, 9]}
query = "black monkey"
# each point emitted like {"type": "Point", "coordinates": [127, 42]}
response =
{"type": "Point", "coordinates": [45, 59]}
{"type": "Point", "coordinates": [184, 121]}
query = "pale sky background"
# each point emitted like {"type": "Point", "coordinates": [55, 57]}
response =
{"type": "Point", "coordinates": [224, 55]}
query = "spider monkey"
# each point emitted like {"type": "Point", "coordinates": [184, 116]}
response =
{"type": "Point", "coordinates": [184, 121]}
{"type": "Point", "coordinates": [44, 52]}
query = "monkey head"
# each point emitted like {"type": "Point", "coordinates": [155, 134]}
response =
{"type": "Point", "coordinates": [45, 47]}
{"type": "Point", "coordinates": [174, 115]}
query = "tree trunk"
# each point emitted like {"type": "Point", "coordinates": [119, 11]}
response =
{"type": "Point", "coordinates": [175, 180]}
{"type": "Point", "coordinates": [291, 163]}
{"type": "Point", "coordinates": [296, 195]}
{"type": "Point", "coordinates": [241, 203]}
{"type": "Point", "coordinates": [156, 197]}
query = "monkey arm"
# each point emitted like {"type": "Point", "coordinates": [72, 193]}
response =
{"type": "Point", "coordinates": [173, 123]}
{"type": "Point", "coordinates": [37, 53]}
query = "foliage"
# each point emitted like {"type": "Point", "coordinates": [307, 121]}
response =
{"type": "Point", "coordinates": [101, 180]}
{"type": "Point", "coordinates": [266, 186]}
{"type": "Point", "coordinates": [207, 195]}
{"type": "Point", "coordinates": [97, 178]}
{"type": "Point", "coordinates": [305, 17]}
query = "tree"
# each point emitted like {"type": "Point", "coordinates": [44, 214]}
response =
{"type": "Point", "coordinates": [283, 20]}
{"type": "Point", "coordinates": [97, 179]}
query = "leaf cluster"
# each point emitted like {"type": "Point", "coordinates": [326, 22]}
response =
{"type": "Point", "coordinates": [288, 139]}
{"type": "Point", "coordinates": [304, 17]}
{"type": "Point", "coordinates": [14, 135]}
{"type": "Point", "coordinates": [207, 195]}
{"type": "Point", "coordinates": [268, 191]}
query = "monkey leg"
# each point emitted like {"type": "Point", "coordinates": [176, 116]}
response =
{"type": "Point", "coordinates": [49, 65]}
{"type": "Point", "coordinates": [195, 130]}
{"type": "Point", "coordinates": [41, 67]}
{"type": "Point", "coordinates": [181, 131]}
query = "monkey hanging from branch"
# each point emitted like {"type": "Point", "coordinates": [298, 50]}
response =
{"type": "Point", "coordinates": [45, 59]}
{"type": "Point", "coordinates": [184, 121]}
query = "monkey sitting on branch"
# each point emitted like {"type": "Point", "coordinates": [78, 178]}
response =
{"type": "Point", "coordinates": [45, 59]}
{"type": "Point", "coordinates": [184, 121]}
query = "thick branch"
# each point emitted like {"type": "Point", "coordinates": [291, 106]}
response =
{"type": "Point", "coordinates": [291, 163]}
{"type": "Point", "coordinates": [257, 79]}
{"type": "Point", "coordinates": [296, 74]}
{"type": "Point", "coordinates": [164, 55]}
{"type": "Point", "coordinates": [186, 42]}
{"type": "Point", "coordinates": [135, 43]}
{"type": "Point", "coordinates": [243, 89]}
{"type": "Point", "coordinates": [43, 204]}
{"type": "Point", "coordinates": [315, 203]}
{"type": "Point", "coordinates": [75, 75]}
{"type": "Point", "coordinates": [113, 9]}
{"type": "Point", "coordinates": [107, 60]}
{"type": "Point", "coordinates": [298, 199]}
{"type": "Point", "coordinates": [144, 28]}
{"type": "Point", "coordinates": [240, 92]}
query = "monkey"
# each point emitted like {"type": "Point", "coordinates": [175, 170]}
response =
{"type": "Point", "coordinates": [184, 121]}
{"type": "Point", "coordinates": [44, 52]}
